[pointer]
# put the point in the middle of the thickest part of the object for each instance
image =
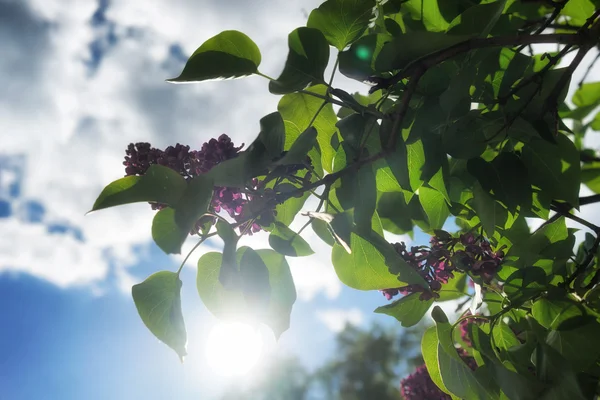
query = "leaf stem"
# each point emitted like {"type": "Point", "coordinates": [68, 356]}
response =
{"type": "Point", "coordinates": [264, 76]}
{"type": "Point", "coordinates": [192, 250]}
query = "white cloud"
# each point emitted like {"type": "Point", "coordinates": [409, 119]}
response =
{"type": "Point", "coordinates": [336, 318]}
{"type": "Point", "coordinates": [72, 127]}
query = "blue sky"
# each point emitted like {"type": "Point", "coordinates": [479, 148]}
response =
{"type": "Point", "coordinates": [81, 79]}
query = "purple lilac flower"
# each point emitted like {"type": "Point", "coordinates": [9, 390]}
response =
{"type": "Point", "coordinates": [140, 156]}
{"type": "Point", "coordinates": [419, 386]}
{"type": "Point", "coordinates": [436, 262]}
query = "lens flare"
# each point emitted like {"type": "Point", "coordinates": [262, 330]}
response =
{"type": "Point", "coordinates": [233, 349]}
{"type": "Point", "coordinates": [363, 52]}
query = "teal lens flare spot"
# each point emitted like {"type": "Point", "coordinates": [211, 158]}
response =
{"type": "Point", "coordinates": [363, 53]}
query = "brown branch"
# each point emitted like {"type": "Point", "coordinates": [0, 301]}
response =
{"type": "Point", "coordinates": [440, 56]}
{"type": "Point", "coordinates": [575, 218]}
{"type": "Point", "coordinates": [595, 198]}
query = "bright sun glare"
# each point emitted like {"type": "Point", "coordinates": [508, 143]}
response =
{"type": "Point", "coordinates": [233, 348]}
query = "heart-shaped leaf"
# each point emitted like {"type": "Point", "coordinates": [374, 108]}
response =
{"type": "Point", "coordinates": [158, 301]}
{"type": "Point", "coordinates": [230, 54]}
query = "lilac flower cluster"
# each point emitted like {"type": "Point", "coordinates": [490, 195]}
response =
{"type": "Point", "coordinates": [140, 156]}
{"type": "Point", "coordinates": [436, 263]}
{"type": "Point", "coordinates": [419, 386]}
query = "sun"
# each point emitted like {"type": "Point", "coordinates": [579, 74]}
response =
{"type": "Point", "coordinates": [233, 349]}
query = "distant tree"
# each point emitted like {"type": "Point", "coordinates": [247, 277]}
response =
{"type": "Point", "coordinates": [369, 362]}
{"type": "Point", "coordinates": [284, 379]}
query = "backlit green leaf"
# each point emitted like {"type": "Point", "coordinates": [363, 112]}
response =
{"type": "Point", "coordinates": [408, 310]}
{"type": "Point", "coordinates": [167, 234]}
{"type": "Point", "coordinates": [287, 242]}
{"type": "Point", "coordinates": [435, 207]}
{"type": "Point", "coordinates": [297, 110]}
{"type": "Point", "coordinates": [230, 54]}
{"type": "Point", "coordinates": [554, 168]}
{"type": "Point", "coordinates": [232, 304]}
{"type": "Point", "coordinates": [158, 185]}
{"type": "Point", "coordinates": [342, 21]}
{"type": "Point", "coordinates": [307, 58]}
{"type": "Point", "coordinates": [158, 301]}
{"type": "Point", "coordinates": [411, 46]}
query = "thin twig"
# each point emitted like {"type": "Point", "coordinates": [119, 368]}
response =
{"type": "Point", "coordinates": [575, 218]}
{"type": "Point", "coordinates": [331, 100]}
{"type": "Point", "coordinates": [589, 69]}
{"type": "Point", "coordinates": [557, 9]}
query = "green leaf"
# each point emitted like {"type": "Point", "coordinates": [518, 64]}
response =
{"type": "Point", "coordinates": [307, 58]}
{"type": "Point", "coordinates": [590, 176]}
{"type": "Point", "coordinates": [254, 276]}
{"type": "Point", "coordinates": [356, 130]}
{"type": "Point", "coordinates": [287, 242]}
{"type": "Point", "coordinates": [411, 46]}
{"type": "Point", "coordinates": [229, 275]}
{"type": "Point", "coordinates": [554, 168]}
{"type": "Point", "coordinates": [551, 313]}
{"type": "Point", "coordinates": [525, 283]}
{"type": "Point", "coordinates": [272, 134]}
{"type": "Point", "coordinates": [283, 291]}
{"type": "Point", "coordinates": [234, 172]}
{"type": "Point", "coordinates": [504, 337]}
{"type": "Point", "coordinates": [432, 14]}
{"type": "Point", "coordinates": [394, 213]}
{"type": "Point", "coordinates": [416, 161]}
{"type": "Point", "coordinates": [399, 161]}
{"type": "Point", "coordinates": [435, 207]}
{"type": "Point", "coordinates": [465, 138]}
{"type": "Point", "coordinates": [158, 301]}
{"type": "Point", "coordinates": [365, 268]}
{"type": "Point", "coordinates": [321, 228]}
{"type": "Point", "coordinates": [297, 110]}
{"type": "Point", "coordinates": [167, 234]}
{"type": "Point", "coordinates": [506, 177]}
{"type": "Point", "coordinates": [456, 99]}
{"type": "Point", "coordinates": [408, 310]}
{"type": "Point", "coordinates": [578, 10]}
{"type": "Point", "coordinates": [455, 374]}
{"type": "Point", "coordinates": [454, 289]}
{"type": "Point", "coordinates": [595, 123]}
{"type": "Point", "coordinates": [300, 148]}
{"type": "Point", "coordinates": [232, 305]}
{"type": "Point", "coordinates": [429, 349]}
{"type": "Point", "coordinates": [158, 185]}
{"type": "Point", "coordinates": [477, 20]}
{"type": "Point", "coordinates": [552, 242]}
{"type": "Point", "coordinates": [194, 202]}
{"type": "Point", "coordinates": [365, 198]}
{"type": "Point", "coordinates": [489, 211]}
{"type": "Point", "coordinates": [554, 369]}
{"type": "Point", "coordinates": [342, 21]}
{"type": "Point", "coordinates": [230, 54]}
{"type": "Point", "coordinates": [358, 62]}
{"type": "Point", "coordinates": [586, 98]}
{"type": "Point", "coordinates": [579, 345]}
